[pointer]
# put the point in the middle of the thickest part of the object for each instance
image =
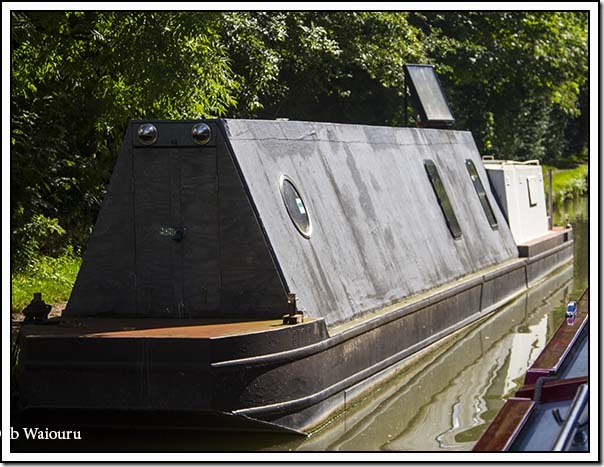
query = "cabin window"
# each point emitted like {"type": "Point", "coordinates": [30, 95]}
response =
{"type": "Point", "coordinates": [443, 198]}
{"type": "Point", "coordinates": [482, 196]}
{"type": "Point", "coordinates": [295, 206]}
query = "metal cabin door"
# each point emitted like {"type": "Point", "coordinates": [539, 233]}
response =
{"type": "Point", "coordinates": [176, 231]}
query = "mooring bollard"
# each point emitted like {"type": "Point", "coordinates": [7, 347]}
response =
{"type": "Point", "coordinates": [37, 311]}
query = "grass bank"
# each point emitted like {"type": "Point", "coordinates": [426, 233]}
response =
{"type": "Point", "coordinates": [54, 277]}
{"type": "Point", "coordinates": [567, 184]}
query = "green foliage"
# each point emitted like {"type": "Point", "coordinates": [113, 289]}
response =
{"type": "Point", "coordinates": [38, 235]}
{"type": "Point", "coordinates": [517, 80]}
{"type": "Point", "coordinates": [52, 276]}
{"type": "Point", "coordinates": [568, 184]}
{"type": "Point", "coordinates": [77, 78]}
{"type": "Point", "coordinates": [514, 78]}
{"type": "Point", "coordinates": [339, 66]}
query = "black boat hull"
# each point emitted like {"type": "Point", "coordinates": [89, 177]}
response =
{"type": "Point", "coordinates": [293, 377]}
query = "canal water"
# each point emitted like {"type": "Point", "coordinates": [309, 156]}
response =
{"type": "Point", "coordinates": [444, 398]}
{"type": "Point", "coordinates": [440, 400]}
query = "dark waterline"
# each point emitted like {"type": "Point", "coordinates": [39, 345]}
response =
{"type": "Point", "coordinates": [441, 399]}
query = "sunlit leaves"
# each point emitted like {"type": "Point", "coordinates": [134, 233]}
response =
{"type": "Point", "coordinates": [526, 68]}
{"type": "Point", "coordinates": [517, 80]}
{"type": "Point", "coordinates": [78, 77]}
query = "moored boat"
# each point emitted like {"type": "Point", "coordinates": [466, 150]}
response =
{"type": "Point", "coordinates": [551, 411]}
{"type": "Point", "coordinates": [256, 271]}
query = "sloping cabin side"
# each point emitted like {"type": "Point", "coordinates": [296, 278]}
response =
{"type": "Point", "coordinates": [378, 233]}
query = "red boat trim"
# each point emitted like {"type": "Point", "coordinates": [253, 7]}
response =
{"type": "Point", "coordinates": [511, 419]}
{"type": "Point", "coordinates": [504, 429]}
{"type": "Point", "coordinates": [553, 391]}
{"type": "Point", "coordinates": [556, 350]}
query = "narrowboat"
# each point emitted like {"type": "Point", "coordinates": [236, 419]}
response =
{"type": "Point", "coordinates": [259, 274]}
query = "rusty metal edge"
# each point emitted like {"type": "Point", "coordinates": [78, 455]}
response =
{"type": "Point", "coordinates": [534, 371]}
{"type": "Point", "coordinates": [495, 439]}
{"type": "Point", "coordinates": [551, 389]}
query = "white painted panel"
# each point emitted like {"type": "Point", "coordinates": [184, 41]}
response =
{"type": "Point", "coordinates": [522, 197]}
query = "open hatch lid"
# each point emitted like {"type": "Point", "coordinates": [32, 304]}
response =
{"type": "Point", "coordinates": [428, 96]}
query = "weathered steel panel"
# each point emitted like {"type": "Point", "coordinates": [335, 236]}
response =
{"type": "Point", "coordinates": [156, 210]}
{"type": "Point", "coordinates": [198, 251]}
{"type": "Point", "coordinates": [378, 232]}
{"type": "Point", "coordinates": [201, 231]}
{"type": "Point", "coordinates": [177, 236]}
{"type": "Point", "coordinates": [250, 283]}
{"type": "Point", "coordinates": [105, 286]}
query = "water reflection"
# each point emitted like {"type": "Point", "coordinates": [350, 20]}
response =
{"type": "Point", "coordinates": [441, 399]}
{"type": "Point", "coordinates": [577, 211]}
{"type": "Point", "coordinates": [444, 398]}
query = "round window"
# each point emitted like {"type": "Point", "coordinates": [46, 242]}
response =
{"type": "Point", "coordinates": [294, 203]}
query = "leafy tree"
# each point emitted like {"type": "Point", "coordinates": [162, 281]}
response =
{"type": "Point", "coordinates": [517, 80]}
{"type": "Point", "coordinates": [76, 80]}
{"type": "Point", "coordinates": [337, 66]}
{"type": "Point", "coordinates": [514, 78]}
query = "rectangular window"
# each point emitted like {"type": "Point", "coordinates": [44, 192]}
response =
{"type": "Point", "coordinates": [482, 196]}
{"type": "Point", "coordinates": [443, 198]}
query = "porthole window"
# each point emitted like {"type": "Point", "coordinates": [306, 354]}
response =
{"type": "Point", "coordinates": [443, 198]}
{"type": "Point", "coordinates": [482, 196]}
{"type": "Point", "coordinates": [295, 206]}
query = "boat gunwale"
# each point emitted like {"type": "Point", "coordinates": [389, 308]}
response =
{"type": "Point", "coordinates": [383, 319]}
